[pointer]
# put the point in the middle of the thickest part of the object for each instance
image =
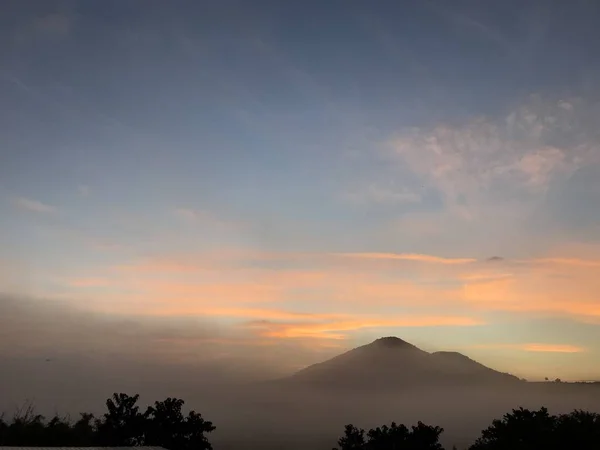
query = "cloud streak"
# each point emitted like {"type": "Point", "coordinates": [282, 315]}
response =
{"type": "Point", "coordinates": [339, 329]}
{"type": "Point", "coordinates": [255, 285]}
{"type": "Point", "coordinates": [31, 205]}
{"type": "Point", "coordinates": [408, 257]}
{"type": "Point", "coordinates": [535, 347]}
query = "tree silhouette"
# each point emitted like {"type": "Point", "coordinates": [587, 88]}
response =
{"type": "Point", "coordinates": [84, 431]}
{"type": "Point", "coordinates": [537, 430]}
{"type": "Point", "coordinates": [161, 425]}
{"type": "Point", "coordinates": [123, 424]}
{"type": "Point", "coordinates": [579, 429]}
{"type": "Point", "coordinates": [58, 432]}
{"type": "Point", "coordinates": [167, 427]}
{"type": "Point", "coordinates": [425, 437]}
{"type": "Point", "coordinates": [26, 427]}
{"type": "Point", "coordinates": [353, 439]}
{"type": "Point", "coordinates": [393, 437]}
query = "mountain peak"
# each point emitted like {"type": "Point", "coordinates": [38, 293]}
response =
{"type": "Point", "coordinates": [390, 342]}
{"type": "Point", "coordinates": [392, 362]}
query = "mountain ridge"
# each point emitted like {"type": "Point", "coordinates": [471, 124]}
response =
{"type": "Point", "coordinates": [391, 362]}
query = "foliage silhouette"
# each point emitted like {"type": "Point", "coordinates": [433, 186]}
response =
{"type": "Point", "coordinates": [164, 424]}
{"type": "Point", "coordinates": [393, 437]}
{"type": "Point", "coordinates": [538, 430]}
{"type": "Point", "coordinates": [122, 425]}
{"type": "Point", "coordinates": [167, 427]}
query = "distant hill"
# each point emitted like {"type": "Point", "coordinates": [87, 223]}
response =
{"type": "Point", "coordinates": [391, 362]}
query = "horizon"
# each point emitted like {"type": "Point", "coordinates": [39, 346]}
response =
{"type": "Point", "coordinates": [247, 189]}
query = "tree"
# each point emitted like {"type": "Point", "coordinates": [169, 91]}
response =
{"type": "Point", "coordinates": [537, 430]}
{"type": "Point", "coordinates": [353, 439]}
{"type": "Point", "coordinates": [577, 430]}
{"type": "Point", "coordinates": [58, 432]}
{"type": "Point", "coordinates": [26, 428]}
{"type": "Point", "coordinates": [84, 431]}
{"type": "Point", "coordinates": [167, 427]}
{"type": "Point", "coordinates": [425, 437]}
{"type": "Point", "coordinates": [123, 424]}
{"type": "Point", "coordinates": [393, 437]}
{"type": "Point", "coordinates": [163, 425]}
{"type": "Point", "coordinates": [521, 429]}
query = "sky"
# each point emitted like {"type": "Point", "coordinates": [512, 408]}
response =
{"type": "Point", "coordinates": [282, 181]}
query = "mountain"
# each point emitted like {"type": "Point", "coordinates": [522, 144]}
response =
{"type": "Point", "coordinates": [393, 363]}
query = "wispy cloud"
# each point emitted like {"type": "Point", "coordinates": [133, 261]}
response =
{"type": "Point", "coordinates": [535, 347]}
{"type": "Point", "coordinates": [568, 261]}
{"type": "Point", "coordinates": [191, 214]}
{"type": "Point", "coordinates": [476, 162]}
{"type": "Point", "coordinates": [383, 194]}
{"type": "Point", "coordinates": [33, 205]}
{"type": "Point", "coordinates": [205, 218]}
{"type": "Point", "coordinates": [408, 257]}
{"type": "Point", "coordinates": [553, 348]}
{"type": "Point", "coordinates": [336, 291]}
{"type": "Point", "coordinates": [339, 329]}
{"type": "Point", "coordinates": [463, 20]}
{"type": "Point", "coordinates": [89, 282]}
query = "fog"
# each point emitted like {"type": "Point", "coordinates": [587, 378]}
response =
{"type": "Point", "coordinates": [65, 360]}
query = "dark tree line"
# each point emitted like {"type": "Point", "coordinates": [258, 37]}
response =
{"type": "Point", "coordinates": [520, 429]}
{"type": "Point", "coordinates": [162, 424]}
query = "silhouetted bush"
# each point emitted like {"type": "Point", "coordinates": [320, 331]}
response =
{"type": "Point", "coordinates": [161, 425]}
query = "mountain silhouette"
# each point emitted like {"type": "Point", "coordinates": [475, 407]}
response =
{"type": "Point", "coordinates": [390, 362]}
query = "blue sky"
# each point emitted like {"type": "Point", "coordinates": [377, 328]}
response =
{"type": "Point", "coordinates": [317, 173]}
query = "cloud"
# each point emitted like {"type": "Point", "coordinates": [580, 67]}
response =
{"type": "Point", "coordinates": [408, 257]}
{"type": "Point", "coordinates": [191, 214]}
{"type": "Point", "coordinates": [568, 261]}
{"type": "Point", "coordinates": [553, 348]}
{"type": "Point", "coordinates": [339, 329]}
{"type": "Point", "coordinates": [205, 218]}
{"type": "Point", "coordinates": [309, 291]}
{"type": "Point", "coordinates": [495, 259]}
{"type": "Point", "coordinates": [490, 160]}
{"type": "Point", "coordinates": [535, 347]}
{"type": "Point", "coordinates": [385, 195]}
{"type": "Point", "coordinates": [559, 289]}
{"type": "Point", "coordinates": [88, 282]}
{"type": "Point", "coordinates": [33, 205]}
{"type": "Point", "coordinates": [565, 105]}
{"type": "Point", "coordinates": [465, 21]}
